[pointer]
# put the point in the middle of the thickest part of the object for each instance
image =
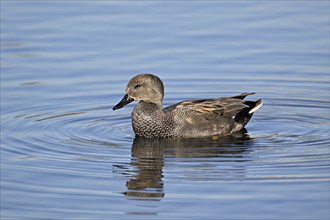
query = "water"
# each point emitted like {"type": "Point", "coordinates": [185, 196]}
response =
{"type": "Point", "coordinates": [66, 155]}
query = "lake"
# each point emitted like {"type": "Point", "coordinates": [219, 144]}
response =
{"type": "Point", "coordinates": [66, 155]}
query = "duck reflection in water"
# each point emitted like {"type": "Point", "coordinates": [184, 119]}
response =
{"type": "Point", "coordinates": [148, 157]}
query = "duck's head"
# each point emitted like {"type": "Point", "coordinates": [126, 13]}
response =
{"type": "Point", "coordinates": [143, 87]}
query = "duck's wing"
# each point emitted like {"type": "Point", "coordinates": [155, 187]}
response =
{"type": "Point", "coordinates": [228, 107]}
{"type": "Point", "coordinates": [213, 116]}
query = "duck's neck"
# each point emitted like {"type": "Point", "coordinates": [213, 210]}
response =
{"type": "Point", "coordinates": [148, 111]}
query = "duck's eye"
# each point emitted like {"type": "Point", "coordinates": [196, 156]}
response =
{"type": "Point", "coordinates": [137, 86]}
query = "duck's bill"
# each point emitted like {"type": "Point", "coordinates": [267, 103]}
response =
{"type": "Point", "coordinates": [126, 100]}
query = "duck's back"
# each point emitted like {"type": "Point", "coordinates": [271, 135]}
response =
{"type": "Point", "coordinates": [208, 117]}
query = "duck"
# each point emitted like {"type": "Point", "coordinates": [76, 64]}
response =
{"type": "Point", "coordinates": [198, 118]}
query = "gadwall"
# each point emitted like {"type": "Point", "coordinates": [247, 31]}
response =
{"type": "Point", "coordinates": [187, 119]}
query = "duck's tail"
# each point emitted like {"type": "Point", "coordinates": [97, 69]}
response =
{"type": "Point", "coordinates": [254, 106]}
{"type": "Point", "coordinates": [245, 115]}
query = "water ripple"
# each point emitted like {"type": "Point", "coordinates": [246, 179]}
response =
{"type": "Point", "coordinates": [66, 155]}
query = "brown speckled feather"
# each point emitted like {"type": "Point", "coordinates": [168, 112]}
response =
{"type": "Point", "coordinates": [228, 107]}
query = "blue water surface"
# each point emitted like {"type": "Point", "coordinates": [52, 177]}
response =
{"type": "Point", "coordinates": [66, 155]}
